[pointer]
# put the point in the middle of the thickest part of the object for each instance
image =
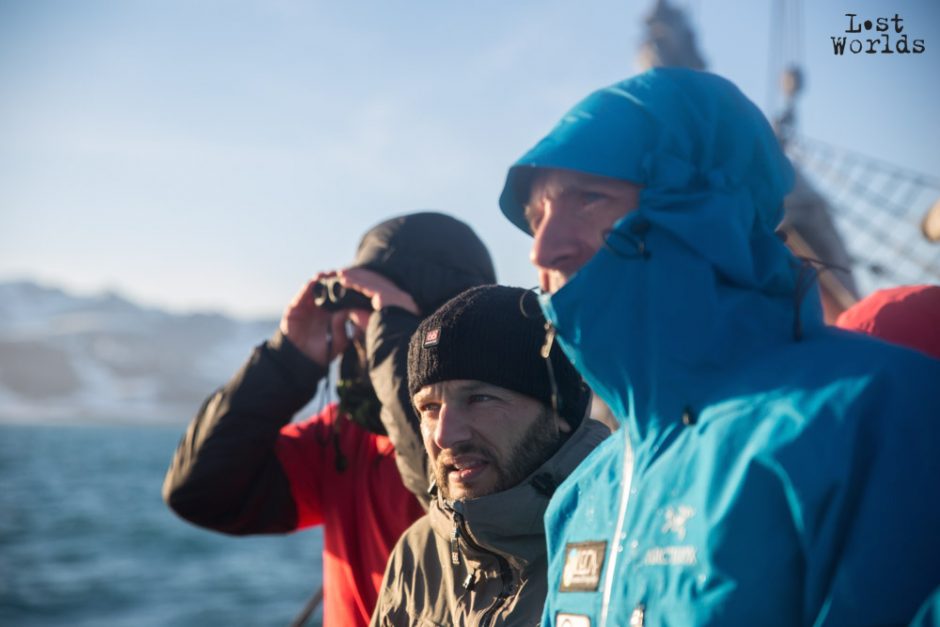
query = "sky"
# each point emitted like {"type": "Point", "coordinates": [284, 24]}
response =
{"type": "Point", "coordinates": [201, 155]}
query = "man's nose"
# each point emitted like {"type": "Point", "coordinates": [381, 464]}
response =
{"type": "Point", "coordinates": [555, 244]}
{"type": "Point", "coordinates": [452, 427]}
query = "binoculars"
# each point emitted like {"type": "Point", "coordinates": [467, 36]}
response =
{"type": "Point", "coordinates": [331, 295]}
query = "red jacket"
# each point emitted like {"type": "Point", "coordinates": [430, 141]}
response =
{"type": "Point", "coordinates": [908, 315]}
{"type": "Point", "coordinates": [243, 468]}
{"type": "Point", "coordinates": [363, 509]}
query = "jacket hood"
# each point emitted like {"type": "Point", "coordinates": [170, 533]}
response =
{"type": "Point", "coordinates": [711, 168]}
{"type": "Point", "coordinates": [432, 256]}
{"type": "Point", "coordinates": [695, 280]}
{"type": "Point", "coordinates": [511, 523]}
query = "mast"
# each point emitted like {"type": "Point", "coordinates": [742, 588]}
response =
{"type": "Point", "coordinates": [870, 224]}
{"type": "Point", "coordinates": [864, 224]}
{"type": "Point", "coordinates": [669, 39]}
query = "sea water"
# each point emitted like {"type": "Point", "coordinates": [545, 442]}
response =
{"type": "Point", "coordinates": [85, 539]}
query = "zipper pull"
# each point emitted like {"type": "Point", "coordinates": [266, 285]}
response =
{"type": "Point", "coordinates": [470, 580]}
{"type": "Point", "coordinates": [546, 352]}
{"type": "Point", "coordinates": [455, 542]}
{"type": "Point", "coordinates": [638, 616]}
{"type": "Point", "coordinates": [549, 340]}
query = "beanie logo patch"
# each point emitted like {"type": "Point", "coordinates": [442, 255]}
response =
{"type": "Point", "coordinates": [432, 337]}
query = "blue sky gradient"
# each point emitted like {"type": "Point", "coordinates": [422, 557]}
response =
{"type": "Point", "coordinates": [213, 155]}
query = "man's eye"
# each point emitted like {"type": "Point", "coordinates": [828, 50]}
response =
{"type": "Point", "coordinates": [533, 218]}
{"type": "Point", "coordinates": [429, 408]}
{"type": "Point", "coordinates": [480, 398]}
{"type": "Point", "coordinates": [588, 198]}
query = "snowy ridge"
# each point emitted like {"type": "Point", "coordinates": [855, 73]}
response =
{"type": "Point", "coordinates": [68, 358]}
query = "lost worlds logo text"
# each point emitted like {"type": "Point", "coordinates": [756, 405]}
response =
{"type": "Point", "coordinates": [881, 35]}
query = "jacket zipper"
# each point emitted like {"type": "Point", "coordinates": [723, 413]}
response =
{"type": "Point", "coordinates": [455, 542]}
{"type": "Point", "coordinates": [626, 480]}
{"type": "Point", "coordinates": [504, 569]}
{"type": "Point", "coordinates": [504, 574]}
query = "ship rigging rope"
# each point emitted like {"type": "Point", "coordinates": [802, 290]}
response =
{"type": "Point", "coordinates": [786, 47]}
{"type": "Point", "coordinates": [811, 144]}
{"type": "Point", "coordinates": [881, 203]}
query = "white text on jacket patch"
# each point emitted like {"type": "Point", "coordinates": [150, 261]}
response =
{"type": "Point", "coordinates": [675, 522]}
{"type": "Point", "coordinates": [583, 564]}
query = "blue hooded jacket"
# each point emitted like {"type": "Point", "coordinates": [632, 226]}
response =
{"type": "Point", "coordinates": [770, 470]}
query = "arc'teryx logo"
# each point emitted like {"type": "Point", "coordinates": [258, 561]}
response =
{"type": "Point", "coordinates": [676, 517]}
{"type": "Point", "coordinates": [890, 38]}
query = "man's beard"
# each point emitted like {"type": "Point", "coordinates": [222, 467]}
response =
{"type": "Point", "coordinates": [534, 448]}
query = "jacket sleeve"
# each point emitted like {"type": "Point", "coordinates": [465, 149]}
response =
{"type": "Point", "coordinates": [226, 474]}
{"type": "Point", "coordinates": [387, 340]}
{"type": "Point", "coordinates": [396, 604]}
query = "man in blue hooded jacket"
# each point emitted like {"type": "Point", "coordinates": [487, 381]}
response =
{"type": "Point", "coordinates": [770, 470]}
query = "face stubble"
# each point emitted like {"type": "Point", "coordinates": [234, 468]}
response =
{"type": "Point", "coordinates": [534, 447]}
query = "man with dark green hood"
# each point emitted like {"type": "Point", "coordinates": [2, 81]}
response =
{"type": "Point", "coordinates": [243, 468]}
{"type": "Point", "coordinates": [769, 470]}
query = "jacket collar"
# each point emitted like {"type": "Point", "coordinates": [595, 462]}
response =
{"type": "Point", "coordinates": [660, 335]}
{"type": "Point", "coordinates": [510, 523]}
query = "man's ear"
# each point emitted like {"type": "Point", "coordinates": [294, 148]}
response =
{"type": "Point", "coordinates": [563, 425]}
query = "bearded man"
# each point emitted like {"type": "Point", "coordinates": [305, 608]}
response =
{"type": "Point", "coordinates": [503, 425]}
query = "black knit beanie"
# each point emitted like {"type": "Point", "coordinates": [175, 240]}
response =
{"type": "Point", "coordinates": [495, 334]}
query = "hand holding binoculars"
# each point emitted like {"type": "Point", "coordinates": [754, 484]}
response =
{"type": "Point", "coordinates": [331, 295]}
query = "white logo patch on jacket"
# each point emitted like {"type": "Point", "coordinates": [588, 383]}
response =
{"type": "Point", "coordinates": [676, 519]}
{"type": "Point", "coordinates": [583, 564]}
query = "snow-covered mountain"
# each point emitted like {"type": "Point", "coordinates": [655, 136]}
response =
{"type": "Point", "coordinates": [102, 358]}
